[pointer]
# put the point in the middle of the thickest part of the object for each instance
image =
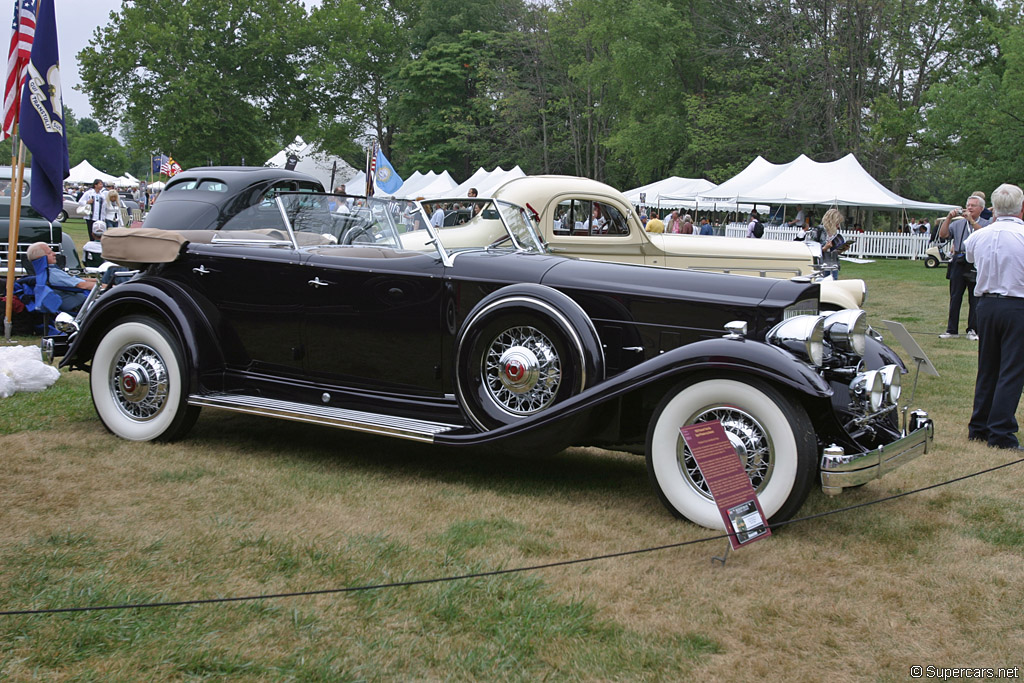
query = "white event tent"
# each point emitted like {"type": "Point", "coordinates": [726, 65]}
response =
{"type": "Point", "coordinates": [319, 164]}
{"type": "Point", "coordinates": [843, 182]}
{"type": "Point", "coordinates": [84, 173]}
{"type": "Point", "coordinates": [422, 184]}
{"type": "Point", "coordinates": [486, 182]}
{"type": "Point", "coordinates": [668, 190]}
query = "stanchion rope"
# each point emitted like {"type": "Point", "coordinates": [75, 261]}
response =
{"type": "Point", "coordinates": [480, 575]}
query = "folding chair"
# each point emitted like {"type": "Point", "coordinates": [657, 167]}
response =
{"type": "Point", "coordinates": [46, 298]}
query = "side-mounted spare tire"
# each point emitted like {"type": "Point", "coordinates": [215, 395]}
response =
{"type": "Point", "coordinates": [523, 349]}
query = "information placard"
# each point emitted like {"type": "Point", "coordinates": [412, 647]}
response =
{"type": "Point", "coordinates": [728, 482]}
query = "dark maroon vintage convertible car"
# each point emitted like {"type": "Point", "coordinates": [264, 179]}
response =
{"type": "Point", "coordinates": [253, 291]}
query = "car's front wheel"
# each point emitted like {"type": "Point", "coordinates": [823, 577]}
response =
{"type": "Point", "coordinates": [931, 262]}
{"type": "Point", "coordinates": [137, 382]}
{"type": "Point", "coordinates": [62, 217]}
{"type": "Point", "coordinates": [772, 435]}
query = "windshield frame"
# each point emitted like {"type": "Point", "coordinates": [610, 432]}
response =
{"type": "Point", "coordinates": [515, 224]}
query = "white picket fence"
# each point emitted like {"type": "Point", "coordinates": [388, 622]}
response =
{"type": "Point", "coordinates": [867, 244]}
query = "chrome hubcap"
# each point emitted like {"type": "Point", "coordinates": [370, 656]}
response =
{"type": "Point", "coordinates": [139, 382]}
{"type": "Point", "coordinates": [748, 436]}
{"type": "Point", "coordinates": [522, 371]}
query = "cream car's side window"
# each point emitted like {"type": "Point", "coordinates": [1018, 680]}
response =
{"type": "Point", "coordinates": [586, 218]}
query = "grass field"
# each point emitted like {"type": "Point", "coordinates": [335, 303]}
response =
{"type": "Point", "coordinates": [247, 505]}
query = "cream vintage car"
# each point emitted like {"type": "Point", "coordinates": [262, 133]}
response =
{"type": "Point", "coordinates": [563, 206]}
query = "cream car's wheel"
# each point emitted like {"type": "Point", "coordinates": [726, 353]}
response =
{"type": "Point", "coordinates": [137, 382]}
{"type": "Point", "coordinates": [772, 435]}
{"type": "Point", "coordinates": [931, 262]}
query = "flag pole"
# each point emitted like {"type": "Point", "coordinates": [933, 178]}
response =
{"type": "Point", "coordinates": [12, 236]}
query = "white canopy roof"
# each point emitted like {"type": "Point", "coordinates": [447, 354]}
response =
{"type": "Point", "coordinates": [668, 191]}
{"type": "Point", "coordinates": [420, 184]}
{"type": "Point", "coordinates": [85, 173]}
{"type": "Point", "coordinates": [486, 182]}
{"type": "Point", "coordinates": [442, 185]}
{"type": "Point", "coordinates": [316, 163]}
{"type": "Point", "coordinates": [843, 182]}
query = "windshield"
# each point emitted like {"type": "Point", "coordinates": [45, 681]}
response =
{"type": "Point", "coordinates": [438, 226]}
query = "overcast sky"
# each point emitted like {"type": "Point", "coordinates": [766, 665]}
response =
{"type": "Point", "coordinates": [76, 22]}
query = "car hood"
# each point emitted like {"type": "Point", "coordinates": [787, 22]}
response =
{"type": "Point", "coordinates": [658, 294]}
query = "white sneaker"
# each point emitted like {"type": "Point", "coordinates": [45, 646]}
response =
{"type": "Point", "coordinates": [972, 335]}
{"type": "Point", "coordinates": [948, 335]}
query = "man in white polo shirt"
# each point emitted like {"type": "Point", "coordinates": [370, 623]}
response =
{"type": "Point", "coordinates": [998, 253]}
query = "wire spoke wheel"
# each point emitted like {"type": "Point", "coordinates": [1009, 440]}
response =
{"type": "Point", "coordinates": [139, 382]}
{"type": "Point", "coordinates": [748, 436]}
{"type": "Point", "coordinates": [771, 434]}
{"type": "Point", "coordinates": [522, 370]}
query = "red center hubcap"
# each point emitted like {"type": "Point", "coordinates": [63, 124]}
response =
{"type": "Point", "coordinates": [514, 370]}
{"type": "Point", "coordinates": [130, 383]}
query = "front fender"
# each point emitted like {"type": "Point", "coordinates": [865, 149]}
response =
{"type": "Point", "coordinates": [721, 356]}
{"type": "Point", "coordinates": [163, 300]}
{"type": "Point", "coordinates": [843, 293]}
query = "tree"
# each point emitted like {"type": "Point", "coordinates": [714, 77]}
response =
{"type": "Point", "coordinates": [214, 81]}
{"type": "Point", "coordinates": [358, 53]}
{"type": "Point", "coordinates": [102, 151]}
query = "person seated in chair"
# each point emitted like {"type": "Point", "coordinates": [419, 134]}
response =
{"type": "Point", "coordinates": [72, 290]}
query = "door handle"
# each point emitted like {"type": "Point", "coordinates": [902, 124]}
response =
{"type": "Point", "coordinates": [201, 270]}
{"type": "Point", "coordinates": [318, 283]}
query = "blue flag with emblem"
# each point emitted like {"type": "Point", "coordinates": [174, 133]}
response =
{"type": "Point", "coordinates": [385, 175]}
{"type": "Point", "coordinates": [42, 117]}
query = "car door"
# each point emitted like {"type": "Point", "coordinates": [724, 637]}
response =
{"type": "Point", "coordinates": [253, 276]}
{"type": "Point", "coordinates": [374, 318]}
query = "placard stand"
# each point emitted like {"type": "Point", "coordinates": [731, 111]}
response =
{"type": "Point", "coordinates": [721, 560]}
{"type": "Point", "coordinates": [920, 358]}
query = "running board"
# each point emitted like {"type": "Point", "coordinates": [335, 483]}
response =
{"type": "Point", "coordinates": [355, 420]}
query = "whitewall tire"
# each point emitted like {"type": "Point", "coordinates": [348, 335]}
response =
{"type": "Point", "coordinates": [772, 435]}
{"type": "Point", "coordinates": [137, 382]}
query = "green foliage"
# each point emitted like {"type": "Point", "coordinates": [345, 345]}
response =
{"type": "Point", "coordinates": [102, 151]}
{"type": "Point", "coordinates": [216, 81]}
{"type": "Point", "coordinates": [927, 94]}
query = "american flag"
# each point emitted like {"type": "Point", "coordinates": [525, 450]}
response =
{"type": "Point", "coordinates": [170, 167]}
{"type": "Point", "coordinates": [371, 168]}
{"type": "Point", "coordinates": [23, 32]}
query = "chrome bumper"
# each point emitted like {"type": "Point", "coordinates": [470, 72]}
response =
{"type": "Point", "coordinates": [840, 470]}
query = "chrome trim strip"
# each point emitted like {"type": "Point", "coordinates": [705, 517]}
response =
{"type": "Point", "coordinates": [355, 420]}
{"type": "Point", "coordinates": [854, 469]}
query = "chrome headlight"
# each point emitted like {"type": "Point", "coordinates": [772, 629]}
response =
{"type": "Point", "coordinates": [802, 335]}
{"type": "Point", "coordinates": [846, 330]}
{"type": "Point", "coordinates": [869, 389]}
{"type": "Point", "coordinates": [892, 382]}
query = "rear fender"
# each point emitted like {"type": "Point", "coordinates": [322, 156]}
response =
{"type": "Point", "coordinates": [162, 300]}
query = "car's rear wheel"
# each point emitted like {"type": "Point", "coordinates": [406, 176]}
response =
{"type": "Point", "coordinates": [931, 262]}
{"type": "Point", "coordinates": [772, 435]}
{"type": "Point", "coordinates": [137, 382]}
{"type": "Point", "coordinates": [62, 216]}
